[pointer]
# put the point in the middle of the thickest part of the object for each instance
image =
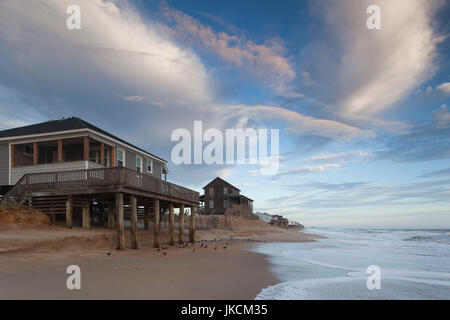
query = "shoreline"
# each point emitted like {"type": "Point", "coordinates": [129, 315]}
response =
{"type": "Point", "coordinates": [219, 266]}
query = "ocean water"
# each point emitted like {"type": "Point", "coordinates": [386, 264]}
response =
{"type": "Point", "coordinates": [414, 264]}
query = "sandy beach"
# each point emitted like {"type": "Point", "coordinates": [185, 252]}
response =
{"type": "Point", "coordinates": [33, 264]}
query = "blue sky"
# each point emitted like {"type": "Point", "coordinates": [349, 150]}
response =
{"type": "Point", "coordinates": [363, 114]}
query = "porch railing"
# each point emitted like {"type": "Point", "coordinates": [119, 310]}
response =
{"type": "Point", "coordinates": [96, 178]}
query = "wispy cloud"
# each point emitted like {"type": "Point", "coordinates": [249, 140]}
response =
{"type": "Point", "coordinates": [436, 174]}
{"type": "Point", "coordinates": [300, 124]}
{"type": "Point", "coordinates": [333, 196]}
{"type": "Point", "coordinates": [444, 88]}
{"type": "Point", "coordinates": [267, 60]}
{"type": "Point", "coordinates": [341, 157]}
{"type": "Point", "coordinates": [422, 143]}
{"type": "Point", "coordinates": [304, 169]}
{"type": "Point", "coordinates": [374, 70]}
{"type": "Point", "coordinates": [442, 117]}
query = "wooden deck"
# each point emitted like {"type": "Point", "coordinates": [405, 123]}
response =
{"type": "Point", "coordinates": [97, 181]}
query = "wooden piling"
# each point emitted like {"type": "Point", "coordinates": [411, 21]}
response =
{"type": "Point", "coordinates": [69, 212]}
{"type": "Point", "coordinates": [181, 225]}
{"type": "Point", "coordinates": [171, 224]}
{"type": "Point", "coordinates": [134, 242]}
{"type": "Point", "coordinates": [111, 217]}
{"type": "Point", "coordinates": [156, 224]}
{"type": "Point", "coordinates": [86, 219]}
{"type": "Point", "coordinates": [120, 227]}
{"type": "Point", "coordinates": [192, 226]}
{"type": "Point", "coordinates": [146, 209]}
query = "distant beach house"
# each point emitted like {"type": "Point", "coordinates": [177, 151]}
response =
{"type": "Point", "coordinates": [220, 196]}
{"type": "Point", "coordinates": [279, 221]}
{"type": "Point", "coordinates": [61, 164]}
{"type": "Point", "coordinates": [264, 216]}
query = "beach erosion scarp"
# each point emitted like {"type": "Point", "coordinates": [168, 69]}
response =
{"type": "Point", "coordinates": [218, 266]}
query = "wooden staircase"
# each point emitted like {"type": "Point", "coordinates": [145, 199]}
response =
{"type": "Point", "coordinates": [50, 205]}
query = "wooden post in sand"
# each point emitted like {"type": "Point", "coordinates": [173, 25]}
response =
{"type": "Point", "coordinates": [120, 227]}
{"type": "Point", "coordinates": [146, 209]}
{"type": "Point", "coordinates": [171, 223]}
{"type": "Point", "coordinates": [111, 217]}
{"type": "Point", "coordinates": [192, 226]}
{"type": "Point", "coordinates": [156, 223]}
{"type": "Point", "coordinates": [181, 225]}
{"type": "Point", "coordinates": [86, 219]}
{"type": "Point", "coordinates": [134, 242]}
{"type": "Point", "coordinates": [69, 212]}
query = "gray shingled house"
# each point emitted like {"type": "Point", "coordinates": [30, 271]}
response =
{"type": "Point", "coordinates": [60, 165]}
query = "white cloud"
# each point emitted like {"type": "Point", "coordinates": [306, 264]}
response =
{"type": "Point", "coordinates": [301, 169]}
{"type": "Point", "coordinates": [300, 124]}
{"type": "Point", "coordinates": [442, 117]}
{"type": "Point", "coordinates": [309, 169]}
{"type": "Point", "coordinates": [6, 123]}
{"type": "Point", "coordinates": [113, 49]}
{"type": "Point", "coordinates": [444, 88]}
{"type": "Point", "coordinates": [341, 157]}
{"type": "Point", "coordinates": [376, 69]}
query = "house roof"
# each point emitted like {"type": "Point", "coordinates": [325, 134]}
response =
{"type": "Point", "coordinates": [202, 197]}
{"type": "Point", "coordinates": [237, 196]}
{"type": "Point", "coordinates": [64, 124]}
{"type": "Point", "coordinates": [217, 178]}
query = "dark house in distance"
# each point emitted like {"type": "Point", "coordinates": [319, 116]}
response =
{"type": "Point", "coordinates": [220, 195]}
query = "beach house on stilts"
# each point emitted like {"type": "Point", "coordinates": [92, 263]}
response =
{"type": "Point", "coordinates": [75, 171]}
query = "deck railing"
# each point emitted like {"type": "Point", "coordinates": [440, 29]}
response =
{"type": "Point", "coordinates": [97, 178]}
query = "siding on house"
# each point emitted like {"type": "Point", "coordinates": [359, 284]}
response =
{"type": "Point", "coordinates": [157, 169]}
{"type": "Point", "coordinates": [4, 164]}
{"type": "Point", "coordinates": [217, 196]}
{"type": "Point", "coordinates": [130, 160]}
{"type": "Point", "coordinates": [17, 173]}
{"type": "Point", "coordinates": [130, 163]}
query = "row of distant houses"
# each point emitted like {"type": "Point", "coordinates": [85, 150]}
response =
{"type": "Point", "coordinates": [221, 197]}
{"type": "Point", "coordinates": [278, 221]}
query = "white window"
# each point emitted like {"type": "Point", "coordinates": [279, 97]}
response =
{"type": "Point", "coordinates": [211, 191]}
{"type": "Point", "coordinates": [95, 155]}
{"type": "Point", "coordinates": [120, 158]}
{"type": "Point", "coordinates": [149, 165]}
{"type": "Point", "coordinates": [225, 190]}
{"type": "Point", "coordinates": [225, 203]}
{"type": "Point", "coordinates": [211, 204]}
{"type": "Point", "coordinates": [138, 164]}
